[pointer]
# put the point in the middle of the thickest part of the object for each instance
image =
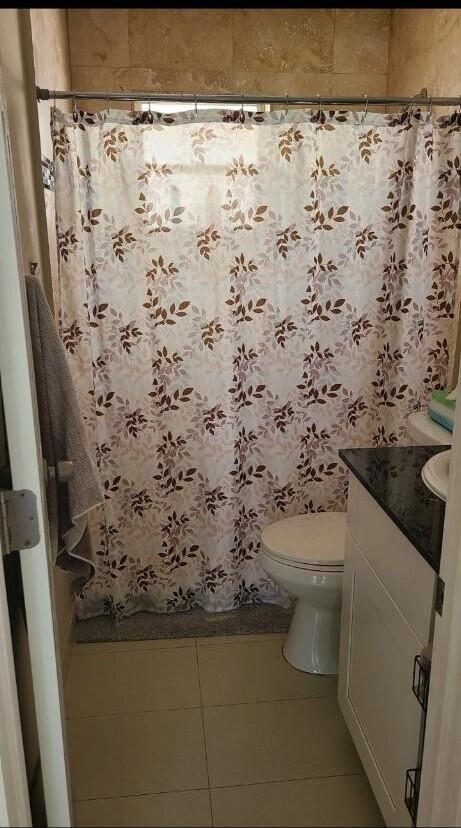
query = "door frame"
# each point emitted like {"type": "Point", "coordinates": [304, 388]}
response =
{"type": "Point", "coordinates": [23, 437]}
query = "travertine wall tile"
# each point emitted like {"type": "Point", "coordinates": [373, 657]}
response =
{"type": "Point", "coordinates": [147, 80]}
{"type": "Point", "coordinates": [174, 39]}
{"type": "Point", "coordinates": [279, 40]}
{"type": "Point", "coordinates": [98, 37]}
{"type": "Point", "coordinates": [361, 40]}
{"type": "Point", "coordinates": [447, 24]}
{"type": "Point", "coordinates": [411, 34]}
{"type": "Point", "coordinates": [356, 84]}
{"type": "Point", "coordinates": [425, 52]}
{"type": "Point", "coordinates": [419, 32]}
{"type": "Point", "coordinates": [266, 50]}
{"type": "Point", "coordinates": [273, 51]}
{"type": "Point", "coordinates": [281, 83]}
{"type": "Point", "coordinates": [51, 62]}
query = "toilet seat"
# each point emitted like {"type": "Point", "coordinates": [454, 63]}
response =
{"type": "Point", "coordinates": [307, 567]}
{"type": "Point", "coordinates": [313, 541]}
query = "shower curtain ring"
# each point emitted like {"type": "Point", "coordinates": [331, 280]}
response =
{"type": "Point", "coordinates": [195, 104]}
{"type": "Point", "coordinates": [74, 110]}
{"type": "Point", "coordinates": [366, 110]}
{"type": "Point", "coordinates": [429, 115]}
{"type": "Point", "coordinates": [286, 100]}
{"type": "Point", "coordinates": [242, 114]}
{"type": "Point", "coordinates": [320, 103]}
{"type": "Point", "coordinates": [150, 116]}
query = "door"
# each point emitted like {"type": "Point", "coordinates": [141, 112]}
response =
{"type": "Point", "coordinates": [378, 647]}
{"type": "Point", "coordinates": [22, 429]}
{"type": "Point", "coordinates": [14, 795]}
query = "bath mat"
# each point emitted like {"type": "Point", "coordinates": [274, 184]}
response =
{"type": "Point", "coordinates": [143, 626]}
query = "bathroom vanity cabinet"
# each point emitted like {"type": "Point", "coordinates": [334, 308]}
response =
{"type": "Point", "coordinates": [387, 619]}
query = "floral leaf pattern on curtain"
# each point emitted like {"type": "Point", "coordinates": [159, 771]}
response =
{"type": "Point", "coordinates": [239, 300]}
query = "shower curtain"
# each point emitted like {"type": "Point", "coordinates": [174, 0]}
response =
{"type": "Point", "coordinates": [239, 297]}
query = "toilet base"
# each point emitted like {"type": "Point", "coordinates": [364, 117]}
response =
{"type": "Point", "coordinates": [312, 643]}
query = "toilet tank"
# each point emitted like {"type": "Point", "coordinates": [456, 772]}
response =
{"type": "Point", "coordinates": [423, 431]}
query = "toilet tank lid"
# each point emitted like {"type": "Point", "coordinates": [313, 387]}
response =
{"type": "Point", "coordinates": [318, 538]}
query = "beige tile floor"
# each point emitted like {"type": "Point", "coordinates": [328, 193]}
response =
{"type": "Point", "coordinates": [209, 731]}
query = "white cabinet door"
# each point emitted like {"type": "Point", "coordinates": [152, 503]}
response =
{"type": "Point", "coordinates": [378, 647]}
{"type": "Point", "coordinates": [21, 420]}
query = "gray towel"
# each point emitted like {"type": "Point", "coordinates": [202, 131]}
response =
{"type": "Point", "coordinates": [63, 437]}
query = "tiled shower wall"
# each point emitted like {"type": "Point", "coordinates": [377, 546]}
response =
{"type": "Point", "coordinates": [324, 51]}
{"type": "Point", "coordinates": [319, 51]}
{"type": "Point", "coordinates": [425, 51]}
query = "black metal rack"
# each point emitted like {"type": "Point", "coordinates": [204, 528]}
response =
{"type": "Point", "coordinates": [412, 780]}
{"type": "Point", "coordinates": [421, 675]}
{"type": "Point", "coordinates": [420, 686]}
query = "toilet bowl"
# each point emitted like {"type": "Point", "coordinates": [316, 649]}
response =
{"type": "Point", "coordinates": [305, 555]}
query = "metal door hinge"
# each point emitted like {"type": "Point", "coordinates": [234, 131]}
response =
{"type": "Point", "coordinates": [18, 520]}
{"type": "Point", "coordinates": [439, 593]}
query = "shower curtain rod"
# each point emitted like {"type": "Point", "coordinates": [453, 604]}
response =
{"type": "Point", "coordinates": [243, 98]}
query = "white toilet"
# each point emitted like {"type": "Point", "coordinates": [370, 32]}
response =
{"type": "Point", "coordinates": [305, 555]}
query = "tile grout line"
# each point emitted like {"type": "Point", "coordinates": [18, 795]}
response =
{"type": "Point", "coordinates": [131, 713]}
{"type": "Point", "coordinates": [226, 787]}
{"type": "Point", "coordinates": [211, 640]}
{"type": "Point", "coordinates": [144, 793]}
{"type": "Point", "coordinates": [203, 732]}
{"type": "Point", "coordinates": [91, 649]}
{"type": "Point", "coordinates": [199, 707]}
{"type": "Point", "coordinates": [292, 779]}
{"type": "Point", "coordinates": [270, 701]}
{"type": "Point", "coordinates": [117, 649]}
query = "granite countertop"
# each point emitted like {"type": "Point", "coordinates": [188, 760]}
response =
{"type": "Point", "coordinates": [392, 476]}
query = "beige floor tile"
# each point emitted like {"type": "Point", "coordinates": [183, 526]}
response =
{"type": "Point", "coordinates": [125, 682]}
{"type": "Point", "coordinates": [277, 741]}
{"type": "Point", "coordinates": [130, 646]}
{"type": "Point", "coordinates": [185, 809]}
{"type": "Point", "coordinates": [236, 639]}
{"type": "Point", "coordinates": [337, 801]}
{"type": "Point", "coordinates": [255, 671]}
{"type": "Point", "coordinates": [137, 753]}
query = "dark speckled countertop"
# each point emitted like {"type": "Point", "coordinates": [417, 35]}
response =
{"type": "Point", "coordinates": [392, 476]}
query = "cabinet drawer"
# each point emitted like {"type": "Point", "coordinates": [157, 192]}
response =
{"type": "Point", "coordinates": [375, 684]}
{"type": "Point", "coordinates": [407, 577]}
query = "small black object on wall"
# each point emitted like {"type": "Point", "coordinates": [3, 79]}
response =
{"type": "Point", "coordinates": [47, 173]}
